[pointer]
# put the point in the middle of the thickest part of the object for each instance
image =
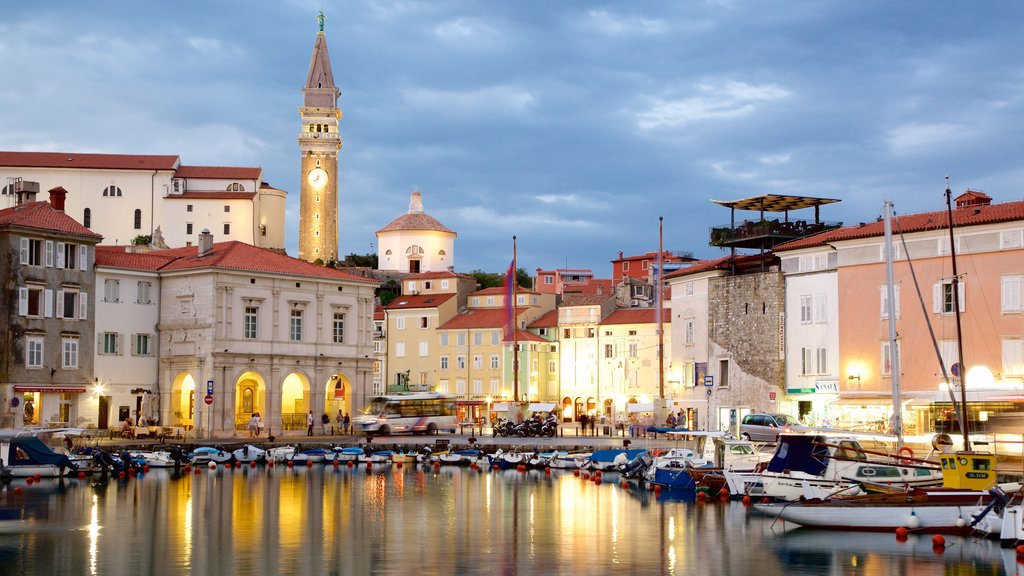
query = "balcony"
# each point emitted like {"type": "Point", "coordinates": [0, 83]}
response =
{"type": "Point", "coordinates": [766, 233]}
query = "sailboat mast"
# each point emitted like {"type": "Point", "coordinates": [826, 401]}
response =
{"type": "Point", "coordinates": [955, 288]}
{"type": "Point", "coordinates": [894, 357]}
{"type": "Point", "coordinates": [658, 308]}
{"type": "Point", "coordinates": [515, 326]}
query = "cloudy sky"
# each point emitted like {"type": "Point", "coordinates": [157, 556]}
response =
{"type": "Point", "coordinates": [573, 125]}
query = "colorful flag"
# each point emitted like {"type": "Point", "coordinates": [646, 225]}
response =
{"type": "Point", "coordinates": [510, 293]}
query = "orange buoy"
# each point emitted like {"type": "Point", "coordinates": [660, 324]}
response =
{"type": "Point", "coordinates": [131, 471]}
{"type": "Point", "coordinates": [197, 470]}
{"type": "Point", "coordinates": [746, 499]}
{"type": "Point", "coordinates": [270, 463]}
{"type": "Point", "coordinates": [657, 489]}
{"type": "Point", "coordinates": [38, 477]}
{"type": "Point", "coordinates": [120, 475]}
{"type": "Point", "coordinates": [238, 464]}
{"type": "Point", "coordinates": [369, 466]}
{"type": "Point", "coordinates": [1020, 550]}
{"type": "Point", "coordinates": [309, 463]}
{"type": "Point", "coordinates": [398, 464]}
{"type": "Point", "coordinates": [31, 480]}
{"type": "Point", "coordinates": [291, 464]}
{"type": "Point", "coordinates": [938, 540]}
{"type": "Point", "coordinates": [212, 465]}
{"type": "Point", "coordinates": [252, 464]}
{"type": "Point", "coordinates": [437, 466]}
{"type": "Point", "coordinates": [81, 475]}
{"type": "Point", "coordinates": [597, 480]}
{"type": "Point", "coordinates": [188, 468]}
{"type": "Point", "coordinates": [547, 471]}
{"type": "Point", "coordinates": [702, 496]}
{"type": "Point", "coordinates": [227, 465]}
{"type": "Point", "coordinates": [495, 467]}
{"type": "Point", "coordinates": [145, 467]}
{"type": "Point", "coordinates": [17, 490]}
{"type": "Point", "coordinates": [586, 476]}
{"type": "Point", "coordinates": [576, 473]}
{"type": "Point", "coordinates": [335, 464]}
{"type": "Point", "coordinates": [902, 532]}
{"type": "Point", "coordinates": [723, 492]}
{"type": "Point", "coordinates": [350, 463]}
{"type": "Point", "coordinates": [765, 499]}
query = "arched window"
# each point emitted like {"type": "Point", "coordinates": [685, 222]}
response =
{"type": "Point", "coordinates": [440, 252]}
{"type": "Point", "coordinates": [414, 250]}
{"type": "Point", "coordinates": [311, 128]}
{"type": "Point", "coordinates": [235, 187]}
{"type": "Point", "coordinates": [138, 219]}
{"type": "Point", "coordinates": [6, 191]}
{"type": "Point", "coordinates": [112, 191]}
{"type": "Point", "coordinates": [87, 218]}
{"type": "Point", "coordinates": [388, 253]}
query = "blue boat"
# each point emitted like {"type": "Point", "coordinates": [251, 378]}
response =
{"type": "Point", "coordinates": [609, 459]}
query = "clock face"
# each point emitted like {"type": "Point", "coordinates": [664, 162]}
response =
{"type": "Point", "coordinates": [317, 178]}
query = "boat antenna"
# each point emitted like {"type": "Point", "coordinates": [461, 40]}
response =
{"type": "Point", "coordinates": [955, 289]}
{"type": "Point", "coordinates": [894, 357]}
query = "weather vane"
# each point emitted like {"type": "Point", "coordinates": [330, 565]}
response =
{"type": "Point", "coordinates": [320, 20]}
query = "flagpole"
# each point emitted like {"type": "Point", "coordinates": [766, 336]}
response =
{"type": "Point", "coordinates": [515, 326]}
{"type": "Point", "coordinates": [658, 307]}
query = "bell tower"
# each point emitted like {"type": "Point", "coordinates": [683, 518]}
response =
{"type": "Point", "coordinates": [319, 144]}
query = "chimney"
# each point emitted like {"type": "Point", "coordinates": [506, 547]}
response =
{"type": "Point", "coordinates": [25, 191]}
{"type": "Point", "coordinates": [205, 243]}
{"type": "Point", "coordinates": [57, 196]}
{"type": "Point", "coordinates": [416, 203]}
{"type": "Point", "coordinates": [972, 198]}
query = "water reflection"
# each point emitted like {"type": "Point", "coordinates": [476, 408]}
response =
{"type": "Point", "coordinates": [255, 521]}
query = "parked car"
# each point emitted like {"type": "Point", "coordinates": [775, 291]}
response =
{"type": "Point", "coordinates": [767, 427]}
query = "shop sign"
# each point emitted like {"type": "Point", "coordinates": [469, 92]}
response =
{"type": "Point", "coordinates": [827, 386]}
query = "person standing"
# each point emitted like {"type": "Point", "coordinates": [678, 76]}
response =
{"type": "Point", "coordinates": [583, 423]}
{"type": "Point", "coordinates": [325, 423]}
{"type": "Point", "coordinates": [252, 425]}
{"type": "Point", "coordinates": [309, 423]}
{"type": "Point", "coordinates": [259, 423]}
{"type": "Point", "coordinates": [345, 422]}
{"type": "Point", "coordinates": [340, 418]}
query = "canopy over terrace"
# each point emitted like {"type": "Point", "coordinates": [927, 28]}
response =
{"type": "Point", "coordinates": [765, 233]}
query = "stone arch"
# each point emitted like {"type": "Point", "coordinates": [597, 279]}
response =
{"type": "Point", "coordinates": [250, 397]}
{"type": "Point", "coordinates": [183, 400]}
{"type": "Point", "coordinates": [295, 401]}
{"type": "Point", "coordinates": [566, 409]}
{"type": "Point", "coordinates": [578, 408]}
{"type": "Point", "coordinates": [591, 405]}
{"type": "Point", "coordinates": [338, 396]}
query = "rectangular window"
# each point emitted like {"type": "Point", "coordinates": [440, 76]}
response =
{"type": "Point", "coordinates": [442, 386]}
{"type": "Point", "coordinates": [806, 361]}
{"type": "Point", "coordinates": [609, 350]}
{"type": "Point", "coordinates": [227, 229]}
{"type": "Point", "coordinates": [460, 340]}
{"type": "Point", "coordinates": [32, 301]}
{"type": "Point", "coordinates": [424, 349]}
{"type": "Point", "coordinates": [250, 322]}
{"type": "Point", "coordinates": [625, 266]}
{"type": "Point", "coordinates": [688, 329]}
{"type": "Point", "coordinates": [400, 349]}
{"type": "Point", "coordinates": [188, 228]}
{"type": "Point", "coordinates": [1013, 357]}
{"type": "Point", "coordinates": [444, 339]}
{"type": "Point", "coordinates": [400, 323]}
{"type": "Point", "coordinates": [110, 342]}
{"type": "Point", "coordinates": [460, 362]}
{"type": "Point", "coordinates": [495, 337]}
{"type": "Point", "coordinates": [295, 326]}
{"type": "Point", "coordinates": [140, 345]}
{"type": "Point", "coordinates": [566, 333]}
{"type": "Point", "coordinates": [490, 300]}
{"type": "Point", "coordinates": [942, 297]}
{"type": "Point", "coordinates": [339, 327]}
{"type": "Point", "coordinates": [444, 362]}
{"type": "Point", "coordinates": [884, 295]}
{"type": "Point", "coordinates": [70, 355]}
{"type": "Point", "coordinates": [1010, 239]}
{"type": "Point", "coordinates": [549, 279]}
{"type": "Point", "coordinates": [632, 349]}
{"type": "Point", "coordinates": [460, 386]}
{"type": "Point", "coordinates": [887, 360]}
{"type": "Point", "coordinates": [227, 208]}
{"type": "Point", "coordinates": [143, 292]}
{"type": "Point", "coordinates": [495, 387]}
{"type": "Point", "coordinates": [820, 308]}
{"type": "Point", "coordinates": [688, 289]}
{"type": "Point", "coordinates": [444, 284]}
{"type": "Point", "coordinates": [806, 309]}
{"type": "Point", "coordinates": [552, 367]}
{"type": "Point", "coordinates": [68, 304]}
{"type": "Point", "coordinates": [111, 290]}
{"type": "Point", "coordinates": [723, 373]}
{"type": "Point", "coordinates": [70, 253]}
{"type": "Point", "coordinates": [1010, 294]}
{"type": "Point", "coordinates": [32, 252]}
{"type": "Point", "coordinates": [478, 362]}
{"type": "Point", "coordinates": [478, 386]}
{"type": "Point", "coordinates": [646, 264]}
{"type": "Point", "coordinates": [591, 332]}
{"type": "Point", "coordinates": [822, 361]}
{"type": "Point", "coordinates": [494, 362]}
{"type": "Point", "coordinates": [424, 322]}
{"type": "Point", "coordinates": [478, 338]}
{"type": "Point", "coordinates": [948, 353]}
{"type": "Point", "coordinates": [34, 352]}
{"type": "Point", "coordinates": [188, 207]}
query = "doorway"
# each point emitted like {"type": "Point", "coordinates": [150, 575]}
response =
{"type": "Point", "coordinates": [103, 421]}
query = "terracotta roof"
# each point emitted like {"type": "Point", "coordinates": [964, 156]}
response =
{"type": "Point", "coordinates": [415, 221]}
{"type": "Point", "coordinates": [962, 217]}
{"type": "Point", "coordinates": [418, 301]}
{"type": "Point", "coordinates": [653, 256]}
{"type": "Point", "coordinates": [432, 275]}
{"type": "Point", "coordinates": [88, 161]}
{"type": "Point", "coordinates": [212, 195]}
{"type": "Point", "coordinates": [723, 263]}
{"type": "Point", "coordinates": [586, 299]}
{"type": "Point", "coordinates": [41, 216]}
{"type": "Point", "coordinates": [119, 257]}
{"type": "Point", "coordinates": [524, 336]}
{"type": "Point", "coordinates": [378, 312]}
{"type": "Point", "coordinates": [232, 255]}
{"type": "Point", "coordinates": [501, 290]}
{"type": "Point", "coordinates": [591, 287]}
{"type": "Point", "coordinates": [219, 172]}
{"type": "Point", "coordinates": [637, 316]}
{"type": "Point", "coordinates": [548, 319]}
{"type": "Point", "coordinates": [477, 318]}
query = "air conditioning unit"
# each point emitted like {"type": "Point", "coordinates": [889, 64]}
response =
{"type": "Point", "coordinates": [414, 291]}
{"type": "Point", "coordinates": [634, 302]}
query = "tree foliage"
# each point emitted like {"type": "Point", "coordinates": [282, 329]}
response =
{"type": "Point", "coordinates": [492, 279]}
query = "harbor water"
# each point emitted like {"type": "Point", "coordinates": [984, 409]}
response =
{"type": "Point", "coordinates": [422, 521]}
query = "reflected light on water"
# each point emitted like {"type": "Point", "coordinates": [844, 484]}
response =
{"type": "Point", "coordinates": [671, 559]}
{"type": "Point", "coordinates": [94, 534]}
{"type": "Point", "coordinates": [671, 528]}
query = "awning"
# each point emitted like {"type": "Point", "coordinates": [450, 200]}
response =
{"type": "Point", "coordinates": [542, 407]}
{"type": "Point", "coordinates": [50, 389]}
{"type": "Point", "coordinates": [640, 407]}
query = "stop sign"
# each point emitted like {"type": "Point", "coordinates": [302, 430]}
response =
{"type": "Point", "coordinates": [208, 399]}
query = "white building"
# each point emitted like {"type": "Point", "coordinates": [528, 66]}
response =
{"type": "Point", "coordinates": [122, 196]}
{"type": "Point", "coordinates": [415, 242]}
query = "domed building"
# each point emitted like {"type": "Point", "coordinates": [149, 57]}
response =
{"type": "Point", "coordinates": [415, 242]}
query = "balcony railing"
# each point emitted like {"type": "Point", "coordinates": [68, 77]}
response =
{"type": "Point", "coordinates": [766, 232]}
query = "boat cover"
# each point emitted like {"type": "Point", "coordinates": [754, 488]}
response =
{"type": "Point", "coordinates": [803, 453]}
{"type": "Point", "coordinates": [608, 455]}
{"type": "Point", "coordinates": [34, 452]}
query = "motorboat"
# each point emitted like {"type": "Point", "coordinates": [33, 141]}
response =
{"type": "Point", "coordinates": [23, 454]}
{"type": "Point", "coordinates": [376, 457]}
{"type": "Point", "coordinates": [347, 454]}
{"type": "Point", "coordinates": [610, 459]}
{"type": "Point", "coordinates": [461, 457]}
{"type": "Point", "coordinates": [281, 453]}
{"type": "Point", "coordinates": [249, 453]}
{"type": "Point", "coordinates": [314, 455]}
{"type": "Point", "coordinates": [563, 460]}
{"type": "Point", "coordinates": [161, 458]}
{"type": "Point", "coordinates": [207, 454]}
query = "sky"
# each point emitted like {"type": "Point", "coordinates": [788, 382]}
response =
{"type": "Point", "coordinates": [571, 125]}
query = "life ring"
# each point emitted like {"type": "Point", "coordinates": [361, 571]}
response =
{"type": "Point", "coordinates": [906, 454]}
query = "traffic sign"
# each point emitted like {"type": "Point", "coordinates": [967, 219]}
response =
{"type": "Point", "coordinates": [709, 380]}
{"type": "Point", "coordinates": [209, 387]}
{"type": "Point", "coordinates": [709, 390]}
{"type": "Point", "coordinates": [955, 369]}
{"type": "Point", "coordinates": [208, 399]}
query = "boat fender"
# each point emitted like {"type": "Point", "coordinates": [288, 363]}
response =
{"type": "Point", "coordinates": [905, 453]}
{"type": "Point", "coordinates": [913, 522]}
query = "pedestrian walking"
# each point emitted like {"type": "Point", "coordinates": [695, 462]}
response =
{"type": "Point", "coordinates": [583, 424]}
{"type": "Point", "coordinates": [252, 425]}
{"type": "Point", "coordinates": [325, 423]}
{"type": "Point", "coordinates": [309, 423]}
{"type": "Point", "coordinates": [345, 422]}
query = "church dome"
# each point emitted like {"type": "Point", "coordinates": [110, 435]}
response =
{"type": "Point", "coordinates": [416, 219]}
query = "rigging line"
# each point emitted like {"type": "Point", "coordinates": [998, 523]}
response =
{"type": "Point", "coordinates": [927, 318]}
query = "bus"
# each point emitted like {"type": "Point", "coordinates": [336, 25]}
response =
{"type": "Point", "coordinates": [408, 414]}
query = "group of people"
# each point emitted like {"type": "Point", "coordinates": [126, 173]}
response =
{"type": "Point", "coordinates": [325, 423]}
{"type": "Point", "coordinates": [255, 425]}
{"type": "Point", "coordinates": [673, 421]}
{"type": "Point", "coordinates": [588, 420]}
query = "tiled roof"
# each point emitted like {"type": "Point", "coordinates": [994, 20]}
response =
{"type": "Point", "coordinates": [41, 216]}
{"type": "Point", "coordinates": [419, 301]}
{"type": "Point", "coordinates": [232, 255]}
{"type": "Point", "coordinates": [477, 318]}
{"type": "Point", "coordinates": [548, 319]}
{"type": "Point", "coordinates": [119, 257]}
{"type": "Point", "coordinates": [378, 312]}
{"type": "Point", "coordinates": [524, 336]}
{"type": "Point", "coordinates": [723, 263]}
{"type": "Point", "coordinates": [962, 217]}
{"type": "Point", "coordinates": [501, 290]}
{"type": "Point", "coordinates": [88, 161]}
{"type": "Point", "coordinates": [637, 316]}
{"type": "Point", "coordinates": [218, 172]}
{"type": "Point", "coordinates": [586, 299]}
{"type": "Point", "coordinates": [415, 221]}
{"type": "Point", "coordinates": [212, 195]}
{"type": "Point", "coordinates": [593, 286]}
{"type": "Point", "coordinates": [432, 275]}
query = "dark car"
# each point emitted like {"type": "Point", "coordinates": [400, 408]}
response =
{"type": "Point", "coordinates": [767, 427]}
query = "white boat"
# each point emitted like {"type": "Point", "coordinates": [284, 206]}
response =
{"type": "Point", "coordinates": [376, 457]}
{"type": "Point", "coordinates": [339, 454]}
{"type": "Point", "coordinates": [160, 458]}
{"type": "Point", "coordinates": [568, 460]}
{"type": "Point", "coordinates": [23, 454]}
{"type": "Point", "coordinates": [206, 454]}
{"type": "Point", "coordinates": [249, 453]}
{"type": "Point", "coordinates": [281, 453]}
{"type": "Point", "coordinates": [461, 457]}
